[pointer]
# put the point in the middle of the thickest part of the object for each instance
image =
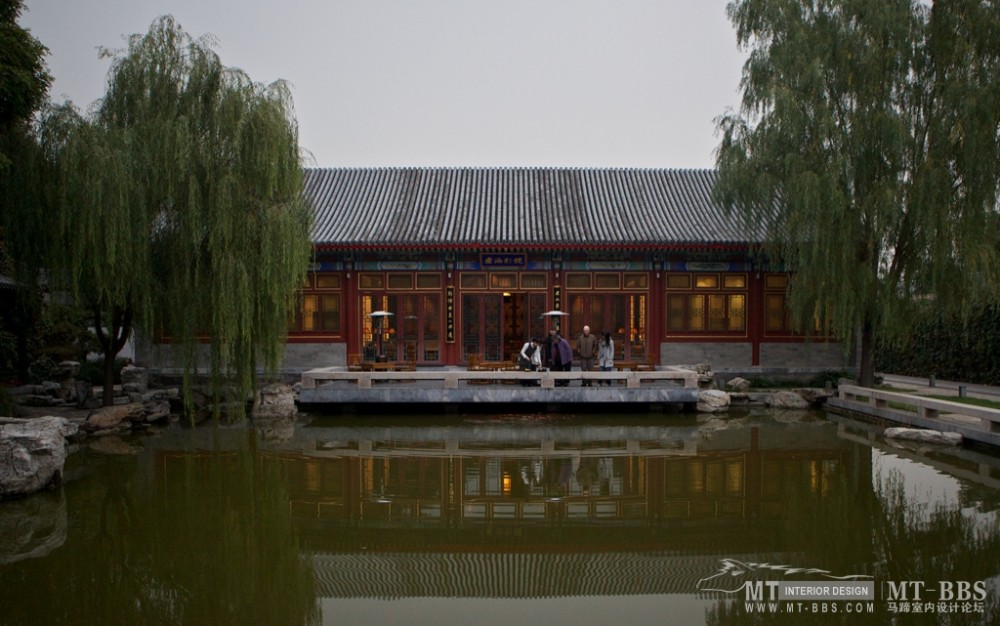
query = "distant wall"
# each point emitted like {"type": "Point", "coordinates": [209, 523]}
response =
{"type": "Point", "coordinates": [739, 355]}
{"type": "Point", "coordinates": [298, 356]}
{"type": "Point", "coordinates": [816, 355]}
{"type": "Point", "coordinates": [303, 356]}
{"type": "Point", "coordinates": [716, 354]}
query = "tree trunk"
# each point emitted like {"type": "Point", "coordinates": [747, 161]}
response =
{"type": "Point", "coordinates": [108, 397]}
{"type": "Point", "coordinates": [25, 325]}
{"type": "Point", "coordinates": [112, 340]}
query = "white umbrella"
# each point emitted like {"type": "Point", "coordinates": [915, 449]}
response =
{"type": "Point", "coordinates": [553, 314]}
{"type": "Point", "coordinates": [380, 316]}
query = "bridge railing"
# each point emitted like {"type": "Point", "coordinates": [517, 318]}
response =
{"type": "Point", "coordinates": [450, 379]}
{"type": "Point", "coordinates": [930, 408]}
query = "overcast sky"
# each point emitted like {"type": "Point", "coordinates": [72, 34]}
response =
{"type": "Point", "coordinates": [576, 83]}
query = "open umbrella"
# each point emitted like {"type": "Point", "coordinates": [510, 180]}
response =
{"type": "Point", "coordinates": [553, 314]}
{"type": "Point", "coordinates": [380, 316]}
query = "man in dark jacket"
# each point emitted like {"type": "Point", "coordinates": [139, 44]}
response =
{"type": "Point", "coordinates": [586, 347]}
{"type": "Point", "coordinates": [562, 357]}
{"type": "Point", "coordinates": [547, 348]}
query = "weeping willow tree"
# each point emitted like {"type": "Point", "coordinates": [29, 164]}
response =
{"type": "Point", "coordinates": [180, 208]}
{"type": "Point", "coordinates": [24, 84]}
{"type": "Point", "coordinates": [867, 147]}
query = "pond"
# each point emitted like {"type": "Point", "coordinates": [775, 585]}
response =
{"type": "Point", "coordinates": [756, 517]}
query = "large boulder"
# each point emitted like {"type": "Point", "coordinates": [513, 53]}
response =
{"type": "Point", "coordinates": [738, 384]}
{"type": "Point", "coordinates": [922, 435]}
{"type": "Point", "coordinates": [135, 378]}
{"type": "Point", "coordinates": [107, 417]}
{"type": "Point", "coordinates": [32, 527]}
{"type": "Point", "coordinates": [32, 453]}
{"type": "Point", "coordinates": [712, 401]}
{"type": "Point", "coordinates": [787, 400]}
{"type": "Point", "coordinates": [274, 401]}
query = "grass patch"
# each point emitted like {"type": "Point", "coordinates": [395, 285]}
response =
{"type": "Point", "coordinates": [988, 404]}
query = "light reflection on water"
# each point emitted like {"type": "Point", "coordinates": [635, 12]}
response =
{"type": "Point", "coordinates": [492, 519]}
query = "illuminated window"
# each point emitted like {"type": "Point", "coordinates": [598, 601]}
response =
{"type": "Point", "coordinates": [734, 281]}
{"type": "Point", "coordinates": [503, 281]}
{"type": "Point", "coordinates": [636, 281]}
{"type": "Point", "coordinates": [776, 314]}
{"type": "Point", "coordinates": [696, 317]}
{"type": "Point", "coordinates": [706, 281]}
{"type": "Point", "coordinates": [737, 312]}
{"type": "Point", "coordinates": [317, 313]}
{"type": "Point", "coordinates": [718, 313]}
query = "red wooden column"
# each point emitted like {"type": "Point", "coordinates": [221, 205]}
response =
{"type": "Point", "coordinates": [351, 310]}
{"type": "Point", "coordinates": [755, 314]}
{"type": "Point", "coordinates": [656, 315]}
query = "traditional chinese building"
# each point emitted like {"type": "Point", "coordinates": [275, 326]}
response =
{"type": "Point", "coordinates": [467, 261]}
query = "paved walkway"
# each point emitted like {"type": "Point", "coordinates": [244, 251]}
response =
{"type": "Point", "coordinates": [941, 387]}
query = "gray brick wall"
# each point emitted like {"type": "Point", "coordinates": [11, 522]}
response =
{"type": "Point", "coordinates": [739, 355]}
{"type": "Point", "coordinates": [298, 356]}
{"type": "Point", "coordinates": [814, 355]}
{"type": "Point", "coordinates": [733, 355]}
{"type": "Point", "coordinates": [303, 356]}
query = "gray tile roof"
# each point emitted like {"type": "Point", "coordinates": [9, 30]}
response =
{"type": "Point", "coordinates": [522, 207]}
{"type": "Point", "coordinates": [510, 574]}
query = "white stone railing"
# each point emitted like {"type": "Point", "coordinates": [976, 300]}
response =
{"type": "Point", "coordinates": [930, 408]}
{"type": "Point", "coordinates": [450, 379]}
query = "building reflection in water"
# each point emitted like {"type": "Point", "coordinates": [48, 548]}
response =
{"type": "Point", "coordinates": [530, 511]}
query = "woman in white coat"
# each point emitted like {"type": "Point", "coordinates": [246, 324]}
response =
{"type": "Point", "coordinates": [606, 355]}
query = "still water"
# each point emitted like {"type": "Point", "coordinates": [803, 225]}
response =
{"type": "Point", "coordinates": [511, 519]}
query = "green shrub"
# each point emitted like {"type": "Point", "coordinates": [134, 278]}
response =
{"type": "Point", "coordinates": [43, 369]}
{"type": "Point", "coordinates": [93, 371]}
{"type": "Point", "coordinates": [949, 346]}
{"type": "Point", "coordinates": [6, 404]}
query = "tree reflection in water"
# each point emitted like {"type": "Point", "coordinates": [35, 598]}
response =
{"type": "Point", "coordinates": [882, 533]}
{"type": "Point", "coordinates": [209, 542]}
{"type": "Point", "coordinates": [362, 519]}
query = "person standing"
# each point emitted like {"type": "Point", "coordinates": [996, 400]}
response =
{"type": "Point", "coordinates": [586, 347]}
{"type": "Point", "coordinates": [548, 350]}
{"type": "Point", "coordinates": [562, 357]}
{"type": "Point", "coordinates": [530, 357]}
{"type": "Point", "coordinates": [606, 355]}
{"type": "Point", "coordinates": [530, 360]}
